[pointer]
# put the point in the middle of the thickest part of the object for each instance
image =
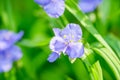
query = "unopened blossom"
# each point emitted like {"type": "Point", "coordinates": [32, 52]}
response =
{"type": "Point", "coordinates": [54, 8]}
{"type": "Point", "coordinates": [66, 41]}
{"type": "Point", "coordinates": [88, 5]}
{"type": "Point", "coordinates": [9, 52]}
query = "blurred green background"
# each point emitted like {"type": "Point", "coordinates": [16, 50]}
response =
{"type": "Point", "coordinates": [28, 16]}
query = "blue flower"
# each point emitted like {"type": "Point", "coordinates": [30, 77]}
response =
{"type": "Point", "coordinates": [8, 51]}
{"type": "Point", "coordinates": [88, 5]}
{"type": "Point", "coordinates": [66, 41]}
{"type": "Point", "coordinates": [54, 8]}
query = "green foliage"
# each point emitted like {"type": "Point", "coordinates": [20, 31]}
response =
{"type": "Point", "coordinates": [101, 39]}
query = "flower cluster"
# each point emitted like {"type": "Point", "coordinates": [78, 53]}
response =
{"type": "Point", "coordinates": [66, 41]}
{"type": "Point", "coordinates": [53, 8]}
{"type": "Point", "coordinates": [8, 51]}
{"type": "Point", "coordinates": [88, 5]}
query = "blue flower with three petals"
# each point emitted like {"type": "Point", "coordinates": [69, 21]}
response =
{"type": "Point", "coordinates": [67, 41]}
{"type": "Point", "coordinates": [88, 5]}
{"type": "Point", "coordinates": [8, 51]}
{"type": "Point", "coordinates": [53, 8]}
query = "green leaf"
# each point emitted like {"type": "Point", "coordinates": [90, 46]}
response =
{"type": "Point", "coordinates": [114, 67]}
{"type": "Point", "coordinates": [97, 71]}
{"type": "Point", "coordinates": [114, 42]}
{"type": "Point", "coordinates": [35, 43]}
{"type": "Point", "coordinates": [7, 15]}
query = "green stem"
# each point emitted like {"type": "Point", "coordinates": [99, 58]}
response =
{"type": "Point", "coordinates": [88, 67]}
{"type": "Point", "coordinates": [64, 20]}
{"type": "Point", "coordinates": [7, 15]}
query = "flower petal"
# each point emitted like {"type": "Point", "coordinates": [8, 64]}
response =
{"type": "Point", "coordinates": [5, 66]}
{"type": "Point", "coordinates": [3, 45]}
{"type": "Point", "coordinates": [53, 56]}
{"type": "Point", "coordinates": [75, 50]}
{"type": "Point", "coordinates": [8, 56]}
{"type": "Point", "coordinates": [15, 37]}
{"type": "Point", "coordinates": [55, 8]}
{"type": "Point", "coordinates": [42, 2]}
{"type": "Point", "coordinates": [88, 5]}
{"type": "Point", "coordinates": [72, 32]}
{"type": "Point", "coordinates": [14, 53]}
{"type": "Point", "coordinates": [57, 44]}
{"type": "Point", "coordinates": [57, 31]}
{"type": "Point", "coordinates": [8, 38]}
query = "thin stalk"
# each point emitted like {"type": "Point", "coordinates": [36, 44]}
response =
{"type": "Point", "coordinates": [8, 15]}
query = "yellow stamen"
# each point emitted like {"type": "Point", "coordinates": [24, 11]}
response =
{"type": "Point", "coordinates": [72, 36]}
{"type": "Point", "coordinates": [64, 36]}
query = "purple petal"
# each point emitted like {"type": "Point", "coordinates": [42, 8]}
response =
{"type": "Point", "coordinates": [5, 66]}
{"type": "Point", "coordinates": [53, 56]}
{"type": "Point", "coordinates": [3, 45]}
{"type": "Point", "coordinates": [88, 5]}
{"type": "Point", "coordinates": [75, 50]}
{"type": "Point", "coordinates": [55, 8]}
{"type": "Point", "coordinates": [57, 44]}
{"type": "Point", "coordinates": [57, 31]}
{"type": "Point", "coordinates": [8, 38]}
{"type": "Point", "coordinates": [14, 53]}
{"type": "Point", "coordinates": [15, 37]}
{"type": "Point", "coordinates": [8, 56]}
{"type": "Point", "coordinates": [42, 2]}
{"type": "Point", "coordinates": [72, 32]}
